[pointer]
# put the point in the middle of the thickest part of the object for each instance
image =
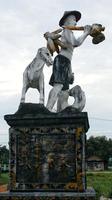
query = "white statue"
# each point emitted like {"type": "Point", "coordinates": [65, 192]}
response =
{"type": "Point", "coordinates": [62, 74]}
{"type": "Point", "coordinates": [79, 99]}
{"type": "Point", "coordinates": [33, 76]}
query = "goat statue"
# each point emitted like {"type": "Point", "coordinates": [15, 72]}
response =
{"type": "Point", "coordinates": [33, 76]}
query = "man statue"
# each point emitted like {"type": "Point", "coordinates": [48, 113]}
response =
{"type": "Point", "coordinates": [62, 74]}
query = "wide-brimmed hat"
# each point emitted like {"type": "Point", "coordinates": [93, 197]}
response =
{"type": "Point", "coordinates": [77, 14]}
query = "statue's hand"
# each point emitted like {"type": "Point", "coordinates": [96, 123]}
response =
{"type": "Point", "coordinates": [87, 29]}
{"type": "Point", "coordinates": [52, 35]}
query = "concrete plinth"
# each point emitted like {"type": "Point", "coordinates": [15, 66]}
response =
{"type": "Point", "coordinates": [47, 154]}
{"type": "Point", "coordinates": [88, 194]}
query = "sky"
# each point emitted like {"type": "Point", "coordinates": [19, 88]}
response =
{"type": "Point", "coordinates": [23, 23]}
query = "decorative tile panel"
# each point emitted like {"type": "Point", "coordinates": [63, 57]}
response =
{"type": "Point", "coordinates": [47, 158]}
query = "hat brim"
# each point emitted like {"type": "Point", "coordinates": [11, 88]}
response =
{"type": "Point", "coordinates": [77, 14]}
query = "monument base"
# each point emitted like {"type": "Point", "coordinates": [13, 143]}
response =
{"type": "Point", "coordinates": [88, 194]}
{"type": "Point", "coordinates": [47, 154]}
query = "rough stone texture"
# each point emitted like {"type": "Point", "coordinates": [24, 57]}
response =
{"type": "Point", "coordinates": [47, 158]}
{"type": "Point", "coordinates": [36, 115]}
{"type": "Point", "coordinates": [47, 152]}
{"type": "Point", "coordinates": [88, 194]}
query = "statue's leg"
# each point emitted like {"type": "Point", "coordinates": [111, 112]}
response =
{"type": "Point", "coordinates": [24, 90]}
{"type": "Point", "coordinates": [62, 102]}
{"type": "Point", "coordinates": [25, 86]}
{"type": "Point", "coordinates": [53, 95]}
{"type": "Point", "coordinates": [41, 89]}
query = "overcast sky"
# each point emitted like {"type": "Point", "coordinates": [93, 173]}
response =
{"type": "Point", "coordinates": [23, 23]}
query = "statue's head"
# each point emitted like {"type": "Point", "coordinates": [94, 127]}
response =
{"type": "Point", "coordinates": [44, 53]}
{"type": "Point", "coordinates": [70, 15]}
{"type": "Point", "coordinates": [76, 91]}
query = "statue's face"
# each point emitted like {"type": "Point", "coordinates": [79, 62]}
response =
{"type": "Point", "coordinates": [70, 21]}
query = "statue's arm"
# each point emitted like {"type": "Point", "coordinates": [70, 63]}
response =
{"type": "Point", "coordinates": [80, 40]}
{"type": "Point", "coordinates": [70, 38]}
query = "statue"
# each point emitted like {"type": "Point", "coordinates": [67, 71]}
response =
{"type": "Point", "coordinates": [62, 74]}
{"type": "Point", "coordinates": [47, 150]}
{"type": "Point", "coordinates": [33, 75]}
{"type": "Point", "coordinates": [79, 99]}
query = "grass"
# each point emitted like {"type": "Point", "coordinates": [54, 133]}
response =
{"type": "Point", "coordinates": [4, 178]}
{"type": "Point", "coordinates": [101, 182]}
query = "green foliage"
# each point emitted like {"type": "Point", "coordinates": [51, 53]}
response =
{"type": "Point", "coordinates": [101, 182]}
{"type": "Point", "coordinates": [101, 147]}
{"type": "Point", "coordinates": [4, 154]}
{"type": "Point", "coordinates": [4, 178]}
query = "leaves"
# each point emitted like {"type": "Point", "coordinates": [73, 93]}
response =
{"type": "Point", "coordinates": [99, 146]}
{"type": "Point", "coordinates": [4, 154]}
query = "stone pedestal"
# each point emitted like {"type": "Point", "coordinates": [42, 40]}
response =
{"type": "Point", "coordinates": [47, 153]}
{"type": "Point", "coordinates": [89, 194]}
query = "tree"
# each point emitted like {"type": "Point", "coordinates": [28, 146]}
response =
{"type": "Point", "coordinates": [4, 154]}
{"type": "Point", "coordinates": [99, 146]}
